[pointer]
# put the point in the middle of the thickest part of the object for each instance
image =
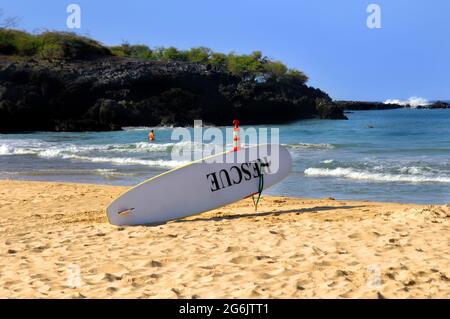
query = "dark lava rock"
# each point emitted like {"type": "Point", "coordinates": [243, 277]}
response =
{"type": "Point", "coordinates": [363, 106]}
{"type": "Point", "coordinates": [436, 105]}
{"type": "Point", "coordinates": [109, 93]}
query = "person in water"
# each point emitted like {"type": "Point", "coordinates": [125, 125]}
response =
{"type": "Point", "coordinates": [151, 136]}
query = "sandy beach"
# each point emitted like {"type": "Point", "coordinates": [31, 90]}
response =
{"type": "Point", "coordinates": [55, 242]}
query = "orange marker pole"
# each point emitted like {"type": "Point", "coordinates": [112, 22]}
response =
{"type": "Point", "coordinates": [236, 145]}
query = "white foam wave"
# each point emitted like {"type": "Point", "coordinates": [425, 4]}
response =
{"type": "Point", "coordinates": [110, 172]}
{"type": "Point", "coordinates": [50, 153]}
{"type": "Point", "coordinates": [6, 149]}
{"type": "Point", "coordinates": [309, 146]}
{"type": "Point", "coordinates": [145, 146]}
{"type": "Point", "coordinates": [413, 101]}
{"type": "Point", "coordinates": [43, 172]}
{"type": "Point", "coordinates": [128, 161]}
{"type": "Point", "coordinates": [54, 151]}
{"type": "Point", "coordinates": [84, 152]}
{"type": "Point", "coordinates": [415, 170]}
{"type": "Point", "coordinates": [131, 147]}
{"type": "Point", "coordinates": [371, 176]}
{"type": "Point", "coordinates": [146, 128]}
{"type": "Point", "coordinates": [140, 147]}
{"type": "Point", "coordinates": [105, 171]}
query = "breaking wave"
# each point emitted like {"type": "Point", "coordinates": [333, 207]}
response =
{"type": "Point", "coordinates": [410, 174]}
{"type": "Point", "coordinates": [112, 160]}
{"type": "Point", "coordinates": [413, 101]}
{"type": "Point", "coordinates": [146, 128]}
{"type": "Point", "coordinates": [139, 147]}
{"type": "Point", "coordinates": [128, 161]}
{"type": "Point", "coordinates": [104, 152]}
{"type": "Point", "coordinates": [10, 150]}
{"type": "Point", "coordinates": [299, 146]}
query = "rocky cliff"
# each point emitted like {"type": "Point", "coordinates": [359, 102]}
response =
{"type": "Point", "coordinates": [111, 92]}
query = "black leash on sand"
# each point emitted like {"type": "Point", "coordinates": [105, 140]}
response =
{"type": "Point", "coordinates": [260, 185]}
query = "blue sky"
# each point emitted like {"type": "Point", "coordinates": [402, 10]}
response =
{"type": "Point", "coordinates": [327, 39]}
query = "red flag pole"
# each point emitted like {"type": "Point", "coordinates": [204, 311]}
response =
{"type": "Point", "coordinates": [236, 139]}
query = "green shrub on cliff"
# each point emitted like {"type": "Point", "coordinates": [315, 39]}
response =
{"type": "Point", "coordinates": [51, 52]}
{"type": "Point", "coordinates": [72, 46]}
{"type": "Point", "coordinates": [199, 55]}
{"type": "Point", "coordinates": [14, 42]}
{"type": "Point", "coordinates": [168, 54]}
{"type": "Point", "coordinates": [296, 76]}
{"type": "Point", "coordinates": [51, 45]}
{"type": "Point", "coordinates": [54, 46]}
{"type": "Point", "coordinates": [218, 59]}
{"type": "Point", "coordinates": [274, 69]}
{"type": "Point", "coordinates": [138, 51]}
{"type": "Point", "coordinates": [250, 67]}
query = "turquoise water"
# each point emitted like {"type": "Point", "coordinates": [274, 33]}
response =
{"type": "Point", "coordinates": [400, 155]}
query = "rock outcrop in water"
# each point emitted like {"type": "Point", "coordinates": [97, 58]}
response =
{"type": "Point", "coordinates": [363, 106]}
{"type": "Point", "coordinates": [110, 92]}
{"type": "Point", "coordinates": [436, 105]}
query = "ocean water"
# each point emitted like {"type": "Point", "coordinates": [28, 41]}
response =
{"type": "Point", "coordinates": [400, 155]}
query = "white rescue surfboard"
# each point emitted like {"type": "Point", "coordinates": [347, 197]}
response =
{"type": "Point", "coordinates": [201, 185]}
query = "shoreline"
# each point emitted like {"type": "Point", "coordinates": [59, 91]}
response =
{"type": "Point", "coordinates": [290, 248]}
{"type": "Point", "coordinates": [125, 187]}
{"type": "Point", "coordinates": [348, 107]}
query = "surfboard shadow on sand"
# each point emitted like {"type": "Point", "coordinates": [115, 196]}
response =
{"type": "Point", "coordinates": [256, 214]}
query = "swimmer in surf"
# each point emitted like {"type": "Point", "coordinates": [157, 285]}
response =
{"type": "Point", "coordinates": [151, 136]}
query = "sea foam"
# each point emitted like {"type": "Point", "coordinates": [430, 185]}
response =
{"type": "Point", "coordinates": [127, 161]}
{"type": "Point", "coordinates": [413, 101]}
{"type": "Point", "coordinates": [355, 174]}
{"type": "Point", "coordinates": [298, 146]}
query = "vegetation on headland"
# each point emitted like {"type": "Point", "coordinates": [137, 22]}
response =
{"type": "Point", "coordinates": [50, 46]}
{"type": "Point", "coordinates": [58, 46]}
{"type": "Point", "coordinates": [46, 45]}
{"type": "Point", "coordinates": [253, 66]}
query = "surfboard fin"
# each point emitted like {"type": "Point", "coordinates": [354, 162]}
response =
{"type": "Point", "coordinates": [260, 186]}
{"type": "Point", "coordinates": [125, 212]}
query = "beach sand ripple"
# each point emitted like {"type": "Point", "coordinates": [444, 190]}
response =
{"type": "Point", "coordinates": [55, 241]}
